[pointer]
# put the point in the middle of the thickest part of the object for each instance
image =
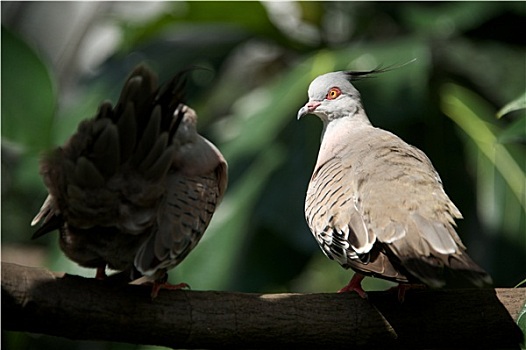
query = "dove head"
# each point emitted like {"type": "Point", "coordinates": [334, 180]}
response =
{"type": "Point", "coordinates": [332, 96]}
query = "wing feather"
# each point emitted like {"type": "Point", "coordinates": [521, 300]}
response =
{"type": "Point", "coordinates": [376, 204]}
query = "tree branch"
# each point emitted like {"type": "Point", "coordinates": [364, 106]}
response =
{"type": "Point", "coordinates": [37, 300]}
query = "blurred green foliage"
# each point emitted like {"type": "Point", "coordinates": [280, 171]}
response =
{"type": "Point", "coordinates": [470, 63]}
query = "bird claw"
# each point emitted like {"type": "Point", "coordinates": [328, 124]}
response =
{"type": "Point", "coordinates": [402, 288]}
{"type": "Point", "coordinates": [157, 286]}
{"type": "Point", "coordinates": [355, 285]}
{"type": "Point", "coordinates": [359, 290]}
{"type": "Point", "coordinates": [101, 273]}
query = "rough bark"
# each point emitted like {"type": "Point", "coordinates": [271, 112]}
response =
{"type": "Point", "coordinates": [39, 301]}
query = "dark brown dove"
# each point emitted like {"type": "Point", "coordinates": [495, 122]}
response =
{"type": "Point", "coordinates": [135, 187]}
{"type": "Point", "coordinates": [375, 203]}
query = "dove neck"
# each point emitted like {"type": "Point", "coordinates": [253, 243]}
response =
{"type": "Point", "coordinates": [345, 124]}
{"type": "Point", "coordinates": [340, 134]}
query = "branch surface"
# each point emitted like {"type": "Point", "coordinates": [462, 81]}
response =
{"type": "Point", "coordinates": [39, 301]}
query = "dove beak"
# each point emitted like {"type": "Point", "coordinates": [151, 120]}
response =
{"type": "Point", "coordinates": [308, 108]}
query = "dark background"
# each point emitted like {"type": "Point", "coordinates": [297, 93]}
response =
{"type": "Point", "coordinates": [60, 60]}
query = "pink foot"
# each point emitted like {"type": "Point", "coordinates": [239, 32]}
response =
{"type": "Point", "coordinates": [402, 288]}
{"type": "Point", "coordinates": [101, 273]}
{"type": "Point", "coordinates": [157, 286]}
{"type": "Point", "coordinates": [355, 285]}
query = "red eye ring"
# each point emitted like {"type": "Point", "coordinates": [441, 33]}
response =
{"type": "Point", "coordinates": [333, 93]}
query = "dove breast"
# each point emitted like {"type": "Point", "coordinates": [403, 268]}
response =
{"type": "Point", "coordinates": [374, 200]}
{"type": "Point", "coordinates": [195, 186]}
{"type": "Point", "coordinates": [375, 203]}
{"type": "Point", "coordinates": [136, 186]}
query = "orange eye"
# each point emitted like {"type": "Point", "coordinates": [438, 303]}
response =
{"type": "Point", "coordinates": [333, 93]}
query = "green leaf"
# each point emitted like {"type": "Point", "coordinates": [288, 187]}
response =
{"type": "Point", "coordinates": [242, 16]}
{"type": "Point", "coordinates": [521, 322]}
{"type": "Point", "coordinates": [519, 284]}
{"type": "Point", "coordinates": [515, 105]}
{"type": "Point", "coordinates": [515, 132]}
{"type": "Point", "coordinates": [209, 266]}
{"type": "Point", "coordinates": [28, 95]}
{"type": "Point", "coordinates": [445, 19]}
{"type": "Point", "coordinates": [472, 115]}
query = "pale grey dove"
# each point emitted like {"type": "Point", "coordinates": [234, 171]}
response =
{"type": "Point", "coordinates": [375, 203]}
{"type": "Point", "coordinates": [136, 186]}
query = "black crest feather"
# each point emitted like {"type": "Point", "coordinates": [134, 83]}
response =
{"type": "Point", "coordinates": [357, 75]}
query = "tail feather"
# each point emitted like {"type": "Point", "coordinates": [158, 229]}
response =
{"type": "Point", "coordinates": [453, 271]}
{"type": "Point", "coordinates": [53, 223]}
